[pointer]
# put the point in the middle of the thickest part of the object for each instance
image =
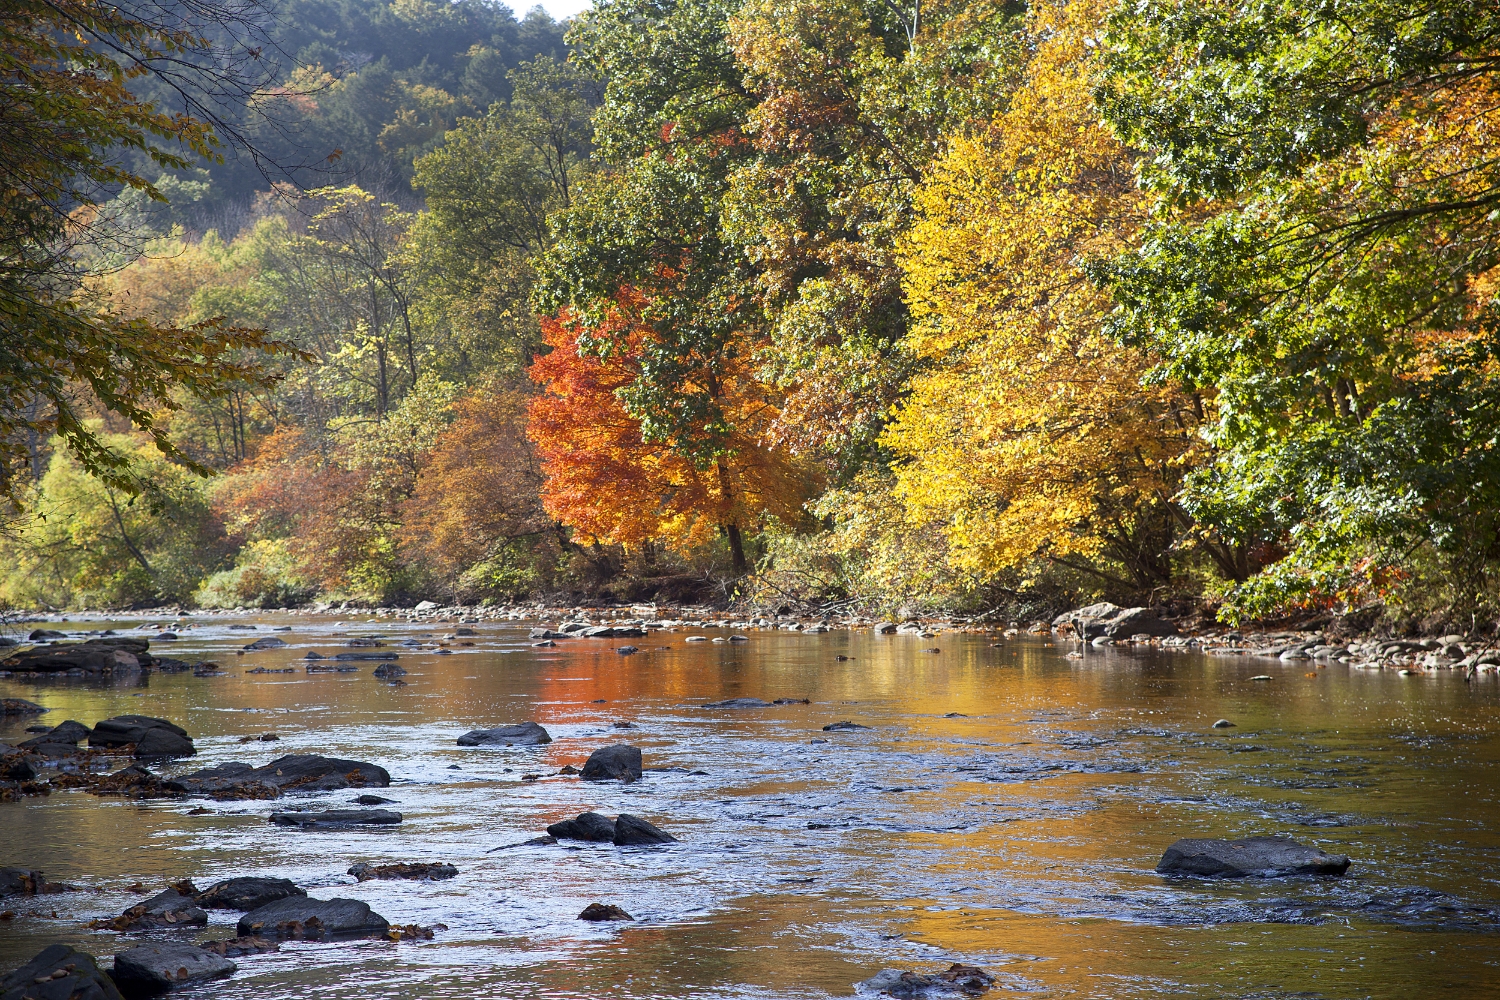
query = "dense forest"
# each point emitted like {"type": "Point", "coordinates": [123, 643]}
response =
{"type": "Point", "coordinates": [963, 306]}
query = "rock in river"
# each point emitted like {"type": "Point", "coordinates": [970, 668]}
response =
{"type": "Point", "coordinates": [150, 969]}
{"type": "Point", "coordinates": [313, 920]}
{"type": "Point", "coordinates": [632, 831]}
{"type": "Point", "coordinates": [843, 727]}
{"type": "Point", "coordinates": [150, 737]}
{"type": "Point", "coordinates": [336, 818]}
{"type": "Point", "coordinates": [294, 772]}
{"type": "Point", "coordinates": [1266, 857]}
{"type": "Point", "coordinates": [168, 908]}
{"type": "Point", "coordinates": [248, 892]}
{"type": "Point", "coordinates": [427, 871]}
{"type": "Point", "coordinates": [588, 826]}
{"type": "Point", "coordinates": [66, 732]}
{"type": "Point", "coordinates": [25, 882]}
{"type": "Point", "coordinates": [59, 972]}
{"type": "Point", "coordinates": [614, 762]}
{"type": "Point", "coordinates": [739, 703]}
{"type": "Point", "coordinates": [269, 642]}
{"type": "Point", "coordinates": [20, 706]}
{"type": "Point", "coordinates": [958, 980]}
{"type": "Point", "coordinates": [121, 655]}
{"type": "Point", "coordinates": [603, 911]}
{"type": "Point", "coordinates": [525, 734]}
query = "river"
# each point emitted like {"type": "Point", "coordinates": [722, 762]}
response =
{"type": "Point", "coordinates": [1005, 808]}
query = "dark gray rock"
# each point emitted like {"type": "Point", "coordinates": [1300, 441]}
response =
{"type": "Point", "coordinates": [632, 831]}
{"type": "Point", "coordinates": [167, 909]}
{"type": "Point", "coordinates": [336, 818]}
{"type": "Point", "coordinates": [294, 772]}
{"type": "Point", "coordinates": [269, 642]}
{"type": "Point", "coordinates": [547, 633]}
{"type": "Point", "coordinates": [235, 947]}
{"type": "Point", "coordinates": [843, 727]}
{"type": "Point", "coordinates": [426, 871]}
{"type": "Point", "coordinates": [151, 969]}
{"type": "Point", "coordinates": [39, 979]}
{"type": "Point", "coordinates": [46, 635]}
{"type": "Point", "coordinates": [118, 655]}
{"type": "Point", "coordinates": [158, 737]}
{"type": "Point", "coordinates": [618, 762]}
{"type": "Point", "coordinates": [310, 919]}
{"type": "Point", "coordinates": [603, 911]}
{"type": "Point", "coordinates": [386, 671]}
{"type": "Point", "coordinates": [374, 800]}
{"type": "Point", "coordinates": [20, 706]}
{"type": "Point", "coordinates": [524, 734]}
{"type": "Point", "coordinates": [366, 656]}
{"type": "Point", "coordinates": [611, 632]}
{"type": "Point", "coordinates": [588, 826]}
{"type": "Point", "coordinates": [627, 650]}
{"type": "Point", "coordinates": [1266, 857]}
{"type": "Point", "coordinates": [66, 732]}
{"type": "Point", "coordinates": [958, 980]}
{"type": "Point", "coordinates": [26, 882]}
{"type": "Point", "coordinates": [739, 703]}
{"type": "Point", "coordinates": [248, 892]}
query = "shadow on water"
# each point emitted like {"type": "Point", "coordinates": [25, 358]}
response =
{"type": "Point", "coordinates": [1006, 807]}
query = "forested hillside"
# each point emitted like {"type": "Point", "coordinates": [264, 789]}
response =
{"type": "Point", "coordinates": [979, 305]}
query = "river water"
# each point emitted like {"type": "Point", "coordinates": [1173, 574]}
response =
{"type": "Point", "coordinates": [1019, 834]}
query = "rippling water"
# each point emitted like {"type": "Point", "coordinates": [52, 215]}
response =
{"type": "Point", "coordinates": [1019, 834]}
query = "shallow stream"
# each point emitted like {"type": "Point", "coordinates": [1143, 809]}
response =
{"type": "Point", "coordinates": [1006, 808]}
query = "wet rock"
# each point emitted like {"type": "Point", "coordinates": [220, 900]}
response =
{"type": "Point", "coordinates": [20, 706]}
{"type": "Point", "coordinates": [236, 947]}
{"type": "Point", "coordinates": [603, 911]}
{"type": "Point", "coordinates": [587, 826]}
{"type": "Point", "coordinates": [248, 892]}
{"type": "Point", "coordinates": [367, 656]}
{"type": "Point", "coordinates": [294, 772]}
{"type": "Point", "coordinates": [169, 665]}
{"type": "Point", "coordinates": [524, 734]}
{"type": "Point", "coordinates": [25, 882]}
{"type": "Point", "coordinates": [150, 969]}
{"type": "Point", "coordinates": [1223, 724]}
{"type": "Point", "coordinates": [417, 870]}
{"type": "Point", "coordinates": [792, 701]}
{"type": "Point", "coordinates": [611, 632]}
{"type": "Point", "coordinates": [843, 727]}
{"type": "Point", "coordinates": [167, 909]}
{"type": "Point", "coordinates": [59, 972]}
{"type": "Point", "coordinates": [632, 831]}
{"type": "Point", "coordinates": [618, 762]}
{"type": "Point", "coordinates": [329, 818]}
{"type": "Point", "coordinates": [121, 655]}
{"type": "Point", "coordinates": [389, 670]}
{"type": "Point", "coordinates": [269, 642]}
{"type": "Point", "coordinates": [46, 635]}
{"type": "Point", "coordinates": [546, 841]}
{"type": "Point", "coordinates": [627, 650]}
{"type": "Point", "coordinates": [547, 633]}
{"type": "Point", "coordinates": [1265, 857]}
{"type": "Point", "coordinates": [739, 703]}
{"type": "Point", "coordinates": [884, 628]}
{"type": "Point", "coordinates": [374, 800]}
{"type": "Point", "coordinates": [151, 737]}
{"type": "Point", "coordinates": [304, 918]}
{"type": "Point", "coordinates": [66, 732]}
{"type": "Point", "coordinates": [958, 980]}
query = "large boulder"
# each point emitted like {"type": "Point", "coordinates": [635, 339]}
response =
{"type": "Point", "coordinates": [632, 831]}
{"type": "Point", "coordinates": [313, 920]}
{"type": "Point", "coordinates": [958, 980]}
{"type": "Point", "coordinates": [25, 882]}
{"type": "Point", "coordinates": [1092, 613]}
{"type": "Point", "coordinates": [329, 818]}
{"type": "Point", "coordinates": [20, 706]}
{"type": "Point", "coordinates": [525, 734]}
{"type": "Point", "coordinates": [588, 826]}
{"type": "Point", "coordinates": [1265, 857]}
{"type": "Point", "coordinates": [1105, 620]}
{"type": "Point", "coordinates": [151, 737]}
{"type": "Point", "coordinates": [269, 642]}
{"type": "Point", "coordinates": [618, 762]}
{"type": "Point", "coordinates": [115, 655]}
{"type": "Point", "coordinates": [248, 892]}
{"type": "Point", "coordinates": [151, 969]}
{"type": "Point", "coordinates": [294, 772]}
{"type": "Point", "coordinates": [59, 972]}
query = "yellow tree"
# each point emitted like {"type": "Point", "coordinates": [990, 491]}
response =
{"type": "Point", "coordinates": [1033, 435]}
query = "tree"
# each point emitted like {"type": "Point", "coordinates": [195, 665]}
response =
{"type": "Point", "coordinates": [1326, 269]}
{"type": "Point", "coordinates": [610, 482]}
{"type": "Point", "coordinates": [1032, 435]}
{"type": "Point", "coordinates": [67, 70]}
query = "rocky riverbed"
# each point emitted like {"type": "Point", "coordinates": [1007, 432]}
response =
{"type": "Point", "coordinates": [906, 809]}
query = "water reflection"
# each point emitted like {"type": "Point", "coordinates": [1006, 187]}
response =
{"type": "Point", "coordinates": [1006, 808]}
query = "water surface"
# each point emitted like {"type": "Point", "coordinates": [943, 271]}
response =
{"type": "Point", "coordinates": [1006, 808]}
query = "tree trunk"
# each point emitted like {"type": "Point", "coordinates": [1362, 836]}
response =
{"type": "Point", "coordinates": [737, 549]}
